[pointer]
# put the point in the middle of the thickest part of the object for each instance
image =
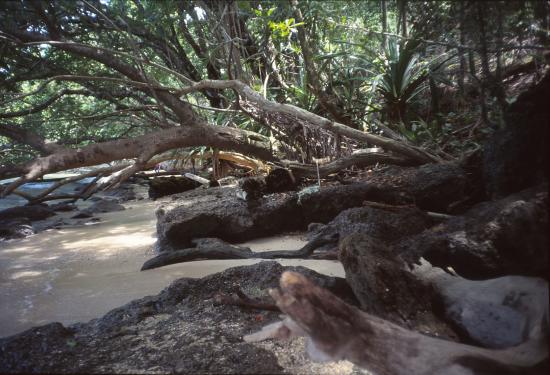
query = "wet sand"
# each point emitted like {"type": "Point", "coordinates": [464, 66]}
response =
{"type": "Point", "coordinates": [77, 274]}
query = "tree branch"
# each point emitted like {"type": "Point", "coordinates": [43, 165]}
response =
{"type": "Point", "coordinates": [152, 143]}
{"type": "Point", "coordinates": [414, 153]}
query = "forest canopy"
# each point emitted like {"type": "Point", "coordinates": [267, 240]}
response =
{"type": "Point", "coordinates": [285, 82]}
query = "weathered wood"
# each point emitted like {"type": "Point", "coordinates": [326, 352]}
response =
{"type": "Point", "coordinates": [211, 248]}
{"type": "Point", "coordinates": [199, 179]}
{"type": "Point", "coordinates": [358, 159]}
{"type": "Point", "coordinates": [338, 331]}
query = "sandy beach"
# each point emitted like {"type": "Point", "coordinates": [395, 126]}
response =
{"type": "Point", "coordinates": [80, 273]}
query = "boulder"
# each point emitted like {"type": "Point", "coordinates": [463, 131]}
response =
{"type": "Point", "coordinates": [497, 313]}
{"type": "Point", "coordinates": [123, 193]}
{"type": "Point", "coordinates": [387, 223]}
{"type": "Point", "coordinates": [277, 181]}
{"type": "Point", "coordinates": [104, 205]}
{"type": "Point", "coordinates": [180, 330]}
{"type": "Point", "coordinates": [162, 186]}
{"type": "Point", "coordinates": [50, 223]}
{"type": "Point", "coordinates": [34, 212]}
{"type": "Point", "coordinates": [218, 212]}
{"type": "Point", "coordinates": [82, 215]}
{"type": "Point", "coordinates": [63, 207]}
{"type": "Point", "coordinates": [15, 228]}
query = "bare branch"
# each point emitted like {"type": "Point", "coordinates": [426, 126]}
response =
{"type": "Point", "coordinates": [39, 107]}
{"type": "Point", "coordinates": [412, 152]}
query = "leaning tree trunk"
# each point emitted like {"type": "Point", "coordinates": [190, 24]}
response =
{"type": "Point", "coordinates": [143, 148]}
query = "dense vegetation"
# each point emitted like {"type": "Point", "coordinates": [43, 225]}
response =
{"type": "Point", "coordinates": [426, 81]}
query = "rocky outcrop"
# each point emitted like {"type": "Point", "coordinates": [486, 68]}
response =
{"type": "Point", "coordinates": [125, 192]}
{"type": "Point", "coordinates": [218, 212]}
{"type": "Point", "coordinates": [516, 157]}
{"type": "Point", "coordinates": [432, 187]}
{"type": "Point", "coordinates": [385, 222]}
{"type": "Point", "coordinates": [277, 181]}
{"type": "Point", "coordinates": [385, 286]}
{"type": "Point", "coordinates": [16, 222]}
{"type": "Point", "coordinates": [32, 213]}
{"type": "Point", "coordinates": [504, 237]}
{"type": "Point", "coordinates": [63, 207]}
{"type": "Point", "coordinates": [15, 228]}
{"type": "Point", "coordinates": [162, 186]}
{"type": "Point", "coordinates": [181, 330]}
{"type": "Point", "coordinates": [104, 205]}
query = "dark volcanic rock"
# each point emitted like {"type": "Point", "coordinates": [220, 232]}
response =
{"type": "Point", "coordinates": [508, 236]}
{"type": "Point", "coordinates": [432, 187]}
{"type": "Point", "coordinates": [123, 193]}
{"type": "Point", "coordinates": [181, 330]}
{"type": "Point", "coordinates": [63, 207]}
{"type": "Point", "coordinates": [388, 224]}
{"type": "Point", "coordinates": [218, 212]}
{"type": "Point", "coordinates": [162, 186]}
{"type": "Point", "coordinates": [379, 278]}
{"type": "Point", "coordinates": [516, 157]}
{"type": "Point", "coordinates": [277, 181]}
{"type": "Point", "coordinates": [15, 228]}
{"type": "Point", "coordinates": [34, 212]}
{"type": "Point", "coordinates": [104, 205]}
{"type": "Point", "coordinates": [82, 215]}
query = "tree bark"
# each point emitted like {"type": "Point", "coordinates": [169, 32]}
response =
{"type": "Point", "coordinates": [462, 59]}
{"type": "Point", "coordinates": [408, 151]}
{"type": "Point", "coordinates": [144, 147]}
{"type": "Point", "coordinates": [384, 7]}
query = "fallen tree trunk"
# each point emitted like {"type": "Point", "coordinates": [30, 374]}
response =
{"type": "Point", "coordinates": [359, 159]}
{"type": "Point", "coordinates": [337, 330]}
{"type": "Point", "coordinates": [414, 153]}
{"type": "Point", "coordinates": [143, 147]}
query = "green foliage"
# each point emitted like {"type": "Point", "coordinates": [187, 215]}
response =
{"type": "Point", "coordinates": [402, 79]}
{"type": "Point", "coordinates": [155, 37]}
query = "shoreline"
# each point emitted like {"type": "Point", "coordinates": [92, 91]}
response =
{"type": "Point", "coordinates": [80, 273]}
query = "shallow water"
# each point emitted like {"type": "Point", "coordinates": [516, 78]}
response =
{"type": "Point", "coordinates": [77, 274]}
{"type": "Point", "coordinates": [35, 188]}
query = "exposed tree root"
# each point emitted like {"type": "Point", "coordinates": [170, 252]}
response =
{"type": "Point", "coordinates": [212, 248]}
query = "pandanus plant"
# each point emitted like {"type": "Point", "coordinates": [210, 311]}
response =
{"type": "Point", "coordinates": [401, 80]}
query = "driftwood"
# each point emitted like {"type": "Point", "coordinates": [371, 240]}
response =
{"type": "Point", "coordinates": [199, 179]}
{"type": "Point", "coordinates": [213, 248]}
{"type": "Point", "coordinates": [358, 159]}
{"type": "Point", "coordinates": [336, 331]}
